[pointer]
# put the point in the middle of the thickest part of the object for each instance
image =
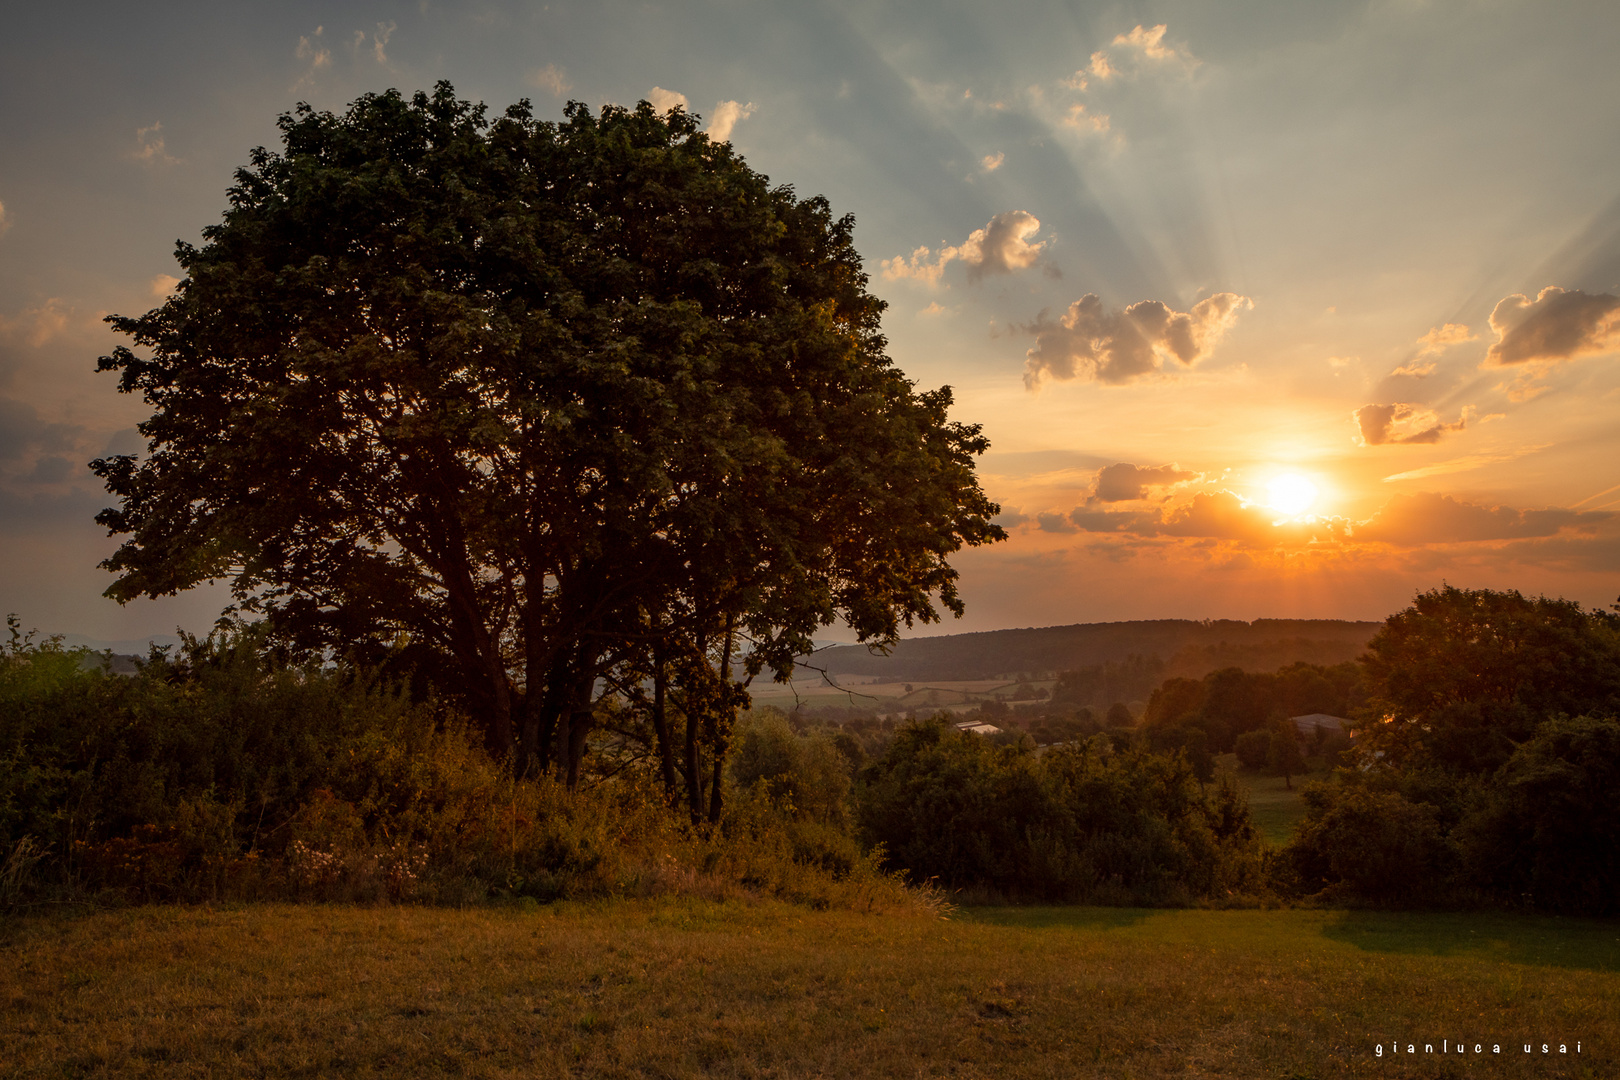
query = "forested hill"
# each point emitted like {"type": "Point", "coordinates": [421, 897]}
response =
{"type": "Point", "coordinates": [1186, 647]}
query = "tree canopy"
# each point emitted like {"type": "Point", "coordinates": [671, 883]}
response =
{"type": "Point", "coordinates": [1463, 676]}
{"type": "Point", "coordinates": [533, 405]}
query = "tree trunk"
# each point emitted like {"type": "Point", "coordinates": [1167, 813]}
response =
{"type": "Point", "coordinates": [660, 719]}
{"type": "Point", "coordinates": [721, 719]}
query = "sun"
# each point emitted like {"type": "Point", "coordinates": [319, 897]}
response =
{"type": "Point", "coordinates": [1291, 494]}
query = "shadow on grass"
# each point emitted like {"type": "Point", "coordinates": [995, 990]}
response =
{"type": "Point", "coordinates": [1046, 918]}
{"type": "Point", "coordinates": [1581, 944]}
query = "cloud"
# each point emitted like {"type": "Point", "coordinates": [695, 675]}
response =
{"type": "Point", "coordinates": [1556, 325]}
{"type": "Point", "coordinates": [552, 78]}
{"type": "Point", "coordinates": [992, 162]}
{"type": "Point", "coordinates": [1131, 51]}
{"type": "Point", "coordinates": [665, 100]}
{"type": "Point", "coordinates": [37, 325]}
{"type": "Point", "coordinates": [5, 219]}
{"type": "Point", "coordinates": [1400, 423]}
{"type": "Point", "coordinates": [934, 310]}
{"type": "Point", "coordinates": [314, 50]}
{"type": "Point", "coordinates": [150, 146]}
{"type": "Point", "coordinates": [162, 285]}
{"type": "Point", "coordinates": [1416, 520]}
{"type": "Point", "coordinates": [727, 115]}
{"type": "Point", "coordinates": [1115, 347]}
{"type": "Point", "coordinates": [379, 40]}
{"type": "Point", "coordinates": [1467, 463]}
{"type": "Point", "coordinates": [22, 431]}
{"type": "Point", "coordinates": [1209, 515]}
{"type": "Point", "coordinates": [1053, 522]}
{"type": "Point", "coordinates": [1124, 482]}
{"type": "Point", "coordinates": [1434, 343]}
{"type": "Point", "coordinates": [1001, 247]}
{"type": "Point", "coordinates": [1078, 116]}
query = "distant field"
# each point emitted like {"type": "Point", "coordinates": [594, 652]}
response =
{"type": "Point", "coordinates": [685, 989]}
{"type": "Point", "coordinates": [1276, 809]}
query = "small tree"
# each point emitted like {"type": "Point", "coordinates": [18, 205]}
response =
{"type": "Point", "coordinates": [1282, 752]}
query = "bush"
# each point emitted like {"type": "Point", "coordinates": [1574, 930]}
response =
{"type": "Point", "coordinates": [1546, 832]}
{"type": "Point", "coordinates": [1079, 822]}
{"type": "Point", "coordinates": [221, 774]}
{"type": "Point", "coordinates": [1367, 844]}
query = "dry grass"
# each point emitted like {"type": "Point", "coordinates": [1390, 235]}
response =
{"type": "Point", "coordinates": [668, 988]}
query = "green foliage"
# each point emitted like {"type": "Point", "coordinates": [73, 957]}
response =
{"type": "Point", "coordinates": [520, 406]}
{"type": "Point", "coordinates": [1362, 842]}
{"type": "Point", "coordinates": [808, 776]}
{"type": "Point", "coordinates": [221, 773]}
{"type": "Point", "coordinates": [1083, 821]}
{"type": "Point", "coordinates": [1547, 831]}
{"type": "Point", "coordinates": [1462, 676]}
{"type": "Point", "coordinates": [1254, 748]}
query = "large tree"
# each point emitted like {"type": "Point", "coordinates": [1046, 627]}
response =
{"type": "Point", "coordinates": [531, 403]}
{"type": "Point", "coordinates": [1462, 677]}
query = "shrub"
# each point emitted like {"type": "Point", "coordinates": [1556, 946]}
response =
{"type": "Point", "coordinates": [1253, 748]}
{"type": "Point", "coordinates": [1362, 843]}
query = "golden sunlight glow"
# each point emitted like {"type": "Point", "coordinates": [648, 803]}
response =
{"type": "Point", "coordinates": [1291, 494]}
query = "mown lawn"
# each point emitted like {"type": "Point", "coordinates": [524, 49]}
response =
{"type": "Point", "coordinates": [670, 988]}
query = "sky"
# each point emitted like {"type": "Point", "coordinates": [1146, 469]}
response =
{"type": "Point", "coordinates": [1267, 309]}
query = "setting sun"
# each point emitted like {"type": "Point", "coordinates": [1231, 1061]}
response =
{"type": "Point", "coordinates": [1291, 494]}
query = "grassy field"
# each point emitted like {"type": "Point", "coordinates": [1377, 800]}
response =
{"type": "Point", "coordinates": [1276, 806]}
{"type": "Point", "coordinates": [686, 989]}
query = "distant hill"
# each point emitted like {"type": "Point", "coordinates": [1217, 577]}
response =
{"type": "Point", "coordinates": [1185, 647]}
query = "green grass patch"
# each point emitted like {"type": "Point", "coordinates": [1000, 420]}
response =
{"type": "Point", "coordinates": [682, 988]}
{"type": "Point", "coordinates": [1276, 807]}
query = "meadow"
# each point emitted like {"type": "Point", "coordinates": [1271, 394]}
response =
{"type": "Point", "coordinates": [687, 988]}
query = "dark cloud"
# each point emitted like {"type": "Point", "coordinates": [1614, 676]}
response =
{"type": "Point", "coordinates": [1415, 520]}
{"type": "Point", "coordinates": [1123, 482]}
{"type": "Point", "coordinates": [1556, 325]}
{"type": "Point", "coordinates": [22, 431]}
{"type": "Point", "coordinates": [1091, 342]}
{"type": "Point", "coordinates": [1053, 522]}
{"type": "Point", "coordinates": [1401, 423]}
{"type": "Point", "coordinates": [1208, 515]}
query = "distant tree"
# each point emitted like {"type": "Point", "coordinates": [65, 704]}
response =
{"type": "Point", "coordinates": [1254, 748]}
{"type": "Point", "coordinates": [527, 405]}
{"type": "Point", "coordinates": [1283, 755]}
{"type": "Point", "coordinates": [1119, 715]}
{"type": "Point", "coordinates": [1461, 677]}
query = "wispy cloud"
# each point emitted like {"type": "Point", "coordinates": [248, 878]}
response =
{"type": "Point", "coordinates": [162, 285]}
{"type": "Point", "coordinates": [1466, 463]}
{"type": "Point", "coordinates": [1131, 51]}
{"type": "Point", "coordinates": [5, 219]}
{"type": "Point", "coordinates": [379, 41]}
{"type": "Point", "coordinates": [1092, 342]}
{"type": "Point", "coordinates": [992, 162]}
{"type": "Point", "coordinates": [313, 50]}
{"type": "Point", "coordinates": [1432, 344]}
{"type": "Point", "coordinates": [1003, 246]}
{"type": "Point", "coordinates": [551, 78]}
{"type": "Point", "coordinates": [150, 147]}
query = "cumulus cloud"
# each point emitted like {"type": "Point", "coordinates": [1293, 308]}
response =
{"type": "Point", "coordinates": [1123, 482]}
{"type": "Point", "coordinates": [1556, 325]}
{"type": "Point", "coordinates": [1001, 247]}
{"type": "Point", "coordinates": [37, 325]}
{"type": "Point", "coordinates": [162, 285]}
{"type": "Point", "coordinates": [1400, 423]}
{"type": "Point", "coordinates": [992, 162]}
{"type": "Point", "coordinates": [1091, 342]}
{"type": "Point", "coordinates": [727, 114]}
{"type": "Point", "coordinates": [665, 100]}
{"type": "Point", "coordinates": [551, 78]}
{"type": "Point", "coordinates": [1415, 520]}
